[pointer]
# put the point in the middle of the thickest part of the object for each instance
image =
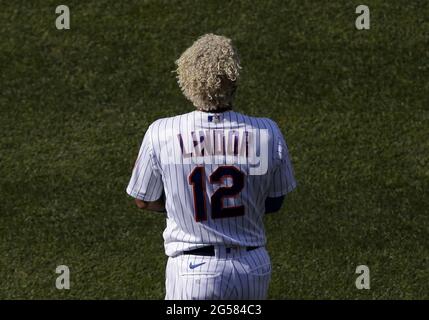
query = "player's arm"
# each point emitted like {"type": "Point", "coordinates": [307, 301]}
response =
{"type": "Point", "coordinates": [158, 205]}
{"type": "Point", "coordinates": [273, 204]}
{"type": "Point", "coordinates": [146, 181]}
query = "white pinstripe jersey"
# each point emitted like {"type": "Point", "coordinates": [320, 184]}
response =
{"type": "Point", "coordinates": [216, 170]}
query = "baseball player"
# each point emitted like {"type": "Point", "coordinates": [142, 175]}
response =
{"type": "Point", "coordinates": [215, 172]}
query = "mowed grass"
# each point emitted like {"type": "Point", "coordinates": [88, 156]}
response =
{"type": "Point", "coordinates": [353, 105]}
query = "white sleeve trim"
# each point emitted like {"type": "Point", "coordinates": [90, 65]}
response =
{"type": "Point", "coordinates": [135, 194]}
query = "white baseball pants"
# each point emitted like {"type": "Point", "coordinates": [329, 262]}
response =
{"type": "Point", "coordinates": [239, 274]}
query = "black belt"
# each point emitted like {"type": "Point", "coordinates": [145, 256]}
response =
{"type": "Point", "coordinates": [210, 251]}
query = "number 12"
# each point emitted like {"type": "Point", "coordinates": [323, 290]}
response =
{"type": "Point", "coordinates": [197, 181]}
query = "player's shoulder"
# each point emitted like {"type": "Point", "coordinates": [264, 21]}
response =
{"type": "Point", "coordinates": [270, 123]}
{"type": "Point", "coordinates": [161, 123]}
{"type": "Point", "coordinates": [260, 122]}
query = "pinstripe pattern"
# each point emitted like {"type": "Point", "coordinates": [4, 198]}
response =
{"type": "Point", "coordinates": [243, 276]}
{"type": "Point", "coordinates": [151, 174]}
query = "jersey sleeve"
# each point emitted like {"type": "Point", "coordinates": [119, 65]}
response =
{"type": "Point", "coordinates": [146, 180]}
{"type": "Point", "coordinates": [282, 176]}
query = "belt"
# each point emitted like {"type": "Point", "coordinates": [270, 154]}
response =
{"type": "Point", "coordinates": [210, 251]}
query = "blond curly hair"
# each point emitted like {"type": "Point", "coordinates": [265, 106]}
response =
{"type": "Point", "coordinates": [208, 72]}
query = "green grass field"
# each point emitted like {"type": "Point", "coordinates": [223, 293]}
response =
{"type": "Point", "coordinates": [353, 105]}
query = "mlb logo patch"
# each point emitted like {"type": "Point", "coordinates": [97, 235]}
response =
{"type": "Point", "coordinates": [215, 118]}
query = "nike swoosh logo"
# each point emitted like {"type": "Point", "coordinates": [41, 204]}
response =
{"type": "Point", "coordinates": [193, 266]}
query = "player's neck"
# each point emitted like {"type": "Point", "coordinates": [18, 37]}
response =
{"type": "Point", "coordinates": [220, 110]}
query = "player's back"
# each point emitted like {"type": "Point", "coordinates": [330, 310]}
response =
{"type": "Point", "coordinates": [217, 170]}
